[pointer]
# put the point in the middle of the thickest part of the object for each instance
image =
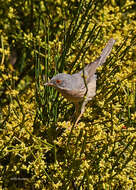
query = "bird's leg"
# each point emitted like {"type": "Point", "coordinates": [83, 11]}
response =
{"type": "Point", "coordinates": [77, 109]}
{"type": "Point", "coordinates": [82, 111]}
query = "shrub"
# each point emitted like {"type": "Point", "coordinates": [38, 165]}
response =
{"type": "Point", "coordinates": [40, 148]}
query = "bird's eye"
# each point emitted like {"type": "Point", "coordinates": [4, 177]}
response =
{"type": "Point", "coordinates": [58, 81]}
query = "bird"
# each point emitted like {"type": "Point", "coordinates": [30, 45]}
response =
{"type": "Point", "coordinates": [80, 87]}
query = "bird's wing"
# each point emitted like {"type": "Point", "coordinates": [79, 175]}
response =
{"type": "Point", "coordinates": [90, 69]}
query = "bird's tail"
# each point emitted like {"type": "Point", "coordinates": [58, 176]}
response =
{"type": "Point", "coordinates": [106, 51]}
{"type": "Point", "coordinates": [90, 69]}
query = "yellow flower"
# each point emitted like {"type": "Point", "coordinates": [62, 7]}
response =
{"type": "Point", "coordinates": [14, 92]}
{"type": "Point", "coordinates": [2, 67]}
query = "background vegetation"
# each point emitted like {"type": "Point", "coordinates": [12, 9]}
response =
{"type": "Point", "coordinates": [39, 148]}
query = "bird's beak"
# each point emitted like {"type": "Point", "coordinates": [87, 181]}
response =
{"type": "Point", "coordinates": [48, 84]}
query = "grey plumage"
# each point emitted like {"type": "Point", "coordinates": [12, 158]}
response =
{"type": "Point", "coordinates": [81, 87]}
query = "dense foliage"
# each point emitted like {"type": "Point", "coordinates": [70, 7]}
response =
{"type": "Point", "coordinates": [39, 147]}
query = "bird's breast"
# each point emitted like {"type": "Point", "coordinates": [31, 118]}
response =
{"type": "Point", "coordinates": [73, 95]}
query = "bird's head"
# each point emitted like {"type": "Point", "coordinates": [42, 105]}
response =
{"type": "Point", "coordinates": [60, 81]}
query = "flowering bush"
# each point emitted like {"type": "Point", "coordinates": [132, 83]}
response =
{"type": "Point", "coordinates": [40, 148]}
